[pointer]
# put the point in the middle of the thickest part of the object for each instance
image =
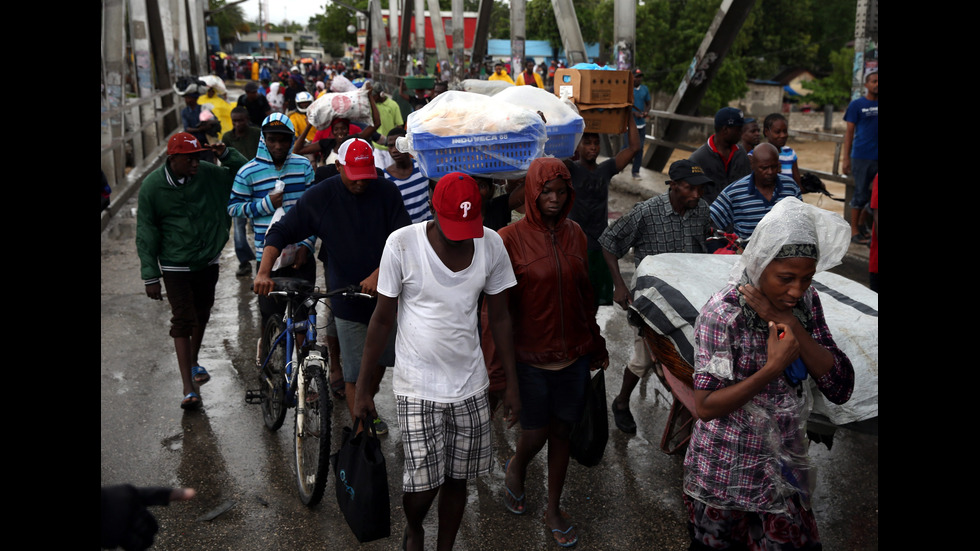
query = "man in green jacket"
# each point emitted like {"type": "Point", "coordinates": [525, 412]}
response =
{"type": "Point", "coordinates": [181, 226]}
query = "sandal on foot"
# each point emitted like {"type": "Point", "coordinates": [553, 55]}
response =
{"type": "Point", "coordinates": [518, 507]}
{"type": "Point", "coordinates": [563, 534]}
{"type": "Point", "coordinates": [339, 389]}
{"type": "Point", "coordinates": [200, 374]}
{"type": "Point", "coordinates": [624, 419]}
{"type": "Point", "coordinates": [191, 401]}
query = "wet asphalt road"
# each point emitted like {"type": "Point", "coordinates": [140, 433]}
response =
{"type": "Point", "coordinates": [247, 497]}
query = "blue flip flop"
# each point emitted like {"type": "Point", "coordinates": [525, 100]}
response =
{"type": "Point", "coordinates": [200, 374]}
{"type": "Point", "coordinates": [564, 533]}
{"type": "Point", "coordinates": [191, 401]}
{"type": "Point", "coordinates": [519, 509]}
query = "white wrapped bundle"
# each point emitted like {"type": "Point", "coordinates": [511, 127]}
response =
{"type": "Point", "coordinates": [555, 110]}
{"type": "Point", "coordinates": [340, 83]}
{"type": "Point", "coordinates": [564, 124]}
{"type": "Point", "coordinates": [463, 114]}
{"type": "Point", "coordinates": [215, 82]}
{"type": "Point", "coordinates": [354, 106]}
{"type": "Point", "coordinates": [475, 134]}
{"type": "Point", "coordinates": [485, 87]}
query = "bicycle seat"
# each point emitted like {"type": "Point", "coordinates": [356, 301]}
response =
{"type": "Point", "coordinates": [293, 284]}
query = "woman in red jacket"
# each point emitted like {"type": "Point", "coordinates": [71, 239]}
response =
{"type": "Point", "coordinates": [556, 338]}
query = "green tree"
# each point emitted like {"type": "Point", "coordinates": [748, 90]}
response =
{"type": "Point", "coordinates": [500, 20]}
{"type": "Point", "coordinates": [541, 23]}
{"type": "Point", "coordinates": [331, 26]}
{"type": "Point", "coordinates": [668, 34]}
{"type": "Point", "coordinates": [833, 28]}
{"type": "Point", "coordinates": [834, 89]}
{"type": "Point", "coordinates": [228, 19]}
{"type": "Point", "coordinates": [777, 36]}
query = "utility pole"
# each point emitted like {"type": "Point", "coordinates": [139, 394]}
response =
{"type": "Point", "coordinates": [439, 34]}
{"type": "Point", "coordinates": [865, 44]}
{"type": "Point", "coordinates": [571, 34]}
{"type": "Point", "coordinates": [420, 34]}
{"type": "Point", "coordinates": [458, 41]}
{"type": "Point", "coordinates": [517, 17]}
{"type": "Point", "coordinates": [624, 34]}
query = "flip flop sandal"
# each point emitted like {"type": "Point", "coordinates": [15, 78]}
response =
{"type": "Point", "coordinates": [519, 508]}
{"type": "Point", "coordinates": [339, 389]}
{"type": "Point", "coordinates": [200, 374]}
{"type": "Point", "coordinates": [558, 534]}
{"type": "Point", "coordinates": [191, 401]}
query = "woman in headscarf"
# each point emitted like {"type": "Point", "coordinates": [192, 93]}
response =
{"type": "Point", "coordinates": [746, 474]}
{"type": "Point", "coordinates": [556, 338]}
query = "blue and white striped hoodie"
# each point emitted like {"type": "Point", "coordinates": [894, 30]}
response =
{"type": "Point", "coordinates": [257, 179]}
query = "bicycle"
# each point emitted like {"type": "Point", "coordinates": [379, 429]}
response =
{"type": "Point", "coordinates": [293, 374]}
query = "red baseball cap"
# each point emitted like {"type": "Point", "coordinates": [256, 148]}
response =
{"type": "Point", "coordinates": [456, 201]}
{"type": "Point", "coordinates": [357, 158]}
{"type": "Point", "coordinates": [182, 143]}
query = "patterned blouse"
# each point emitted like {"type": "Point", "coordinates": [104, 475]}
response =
{"type": "Point", "coordinates": [755, 458]}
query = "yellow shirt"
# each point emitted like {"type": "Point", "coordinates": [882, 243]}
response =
{"type": "Point", "coordinates": [537, 80]}
{"type": "Point", "coordinates": [502, 76]}
{"type": "Point", "coordinates": [299, 123]}
{"type": "Point", "coordinates": [221, 110]}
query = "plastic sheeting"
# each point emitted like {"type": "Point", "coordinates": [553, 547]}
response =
{"type": "Point", "coordinates": [215, 82]}
{"type": "Point", "coordinates": [473, 134]}
{"type": "Point", "coordinates": [485, 87]}
{"type": "Point", "coordinates": [793, 222]}
{"type": "Point", "coordinates": [555, 111]}
{"type": "Point", "coordinates": [668, 298]}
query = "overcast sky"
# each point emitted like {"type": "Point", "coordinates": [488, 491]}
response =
{"type": "Point", "coordinates": [299, 11]}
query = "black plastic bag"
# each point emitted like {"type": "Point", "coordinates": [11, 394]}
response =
{"type": "Point", "coordinates": [589, 435]}
{"type": "Point", "coordinates": [362, 484]}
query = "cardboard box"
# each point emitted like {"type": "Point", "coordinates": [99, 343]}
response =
{"type": "Point", "coordinates": [594, 87]}
{"type": "Point", "coordinates": [606, 119]}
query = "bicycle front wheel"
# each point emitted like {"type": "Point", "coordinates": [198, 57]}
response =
{"type": "Point", "coordinates": [273, 375]}
{"type": "Point", "coordinates": [312, 435]}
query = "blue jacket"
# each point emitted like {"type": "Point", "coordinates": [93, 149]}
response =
{"type": "Point", "coordinates": [257, 179]}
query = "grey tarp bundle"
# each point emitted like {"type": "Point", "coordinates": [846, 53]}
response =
{"type": "Point", "coordinates": [670, 290]}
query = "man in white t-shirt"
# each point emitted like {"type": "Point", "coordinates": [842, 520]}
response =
{"type": "Point", "coordinates": [432, 273]}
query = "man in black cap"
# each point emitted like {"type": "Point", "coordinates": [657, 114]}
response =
{"type": "Point", "coordinates": [675, 222]}
{"type": "Point", "coordinates": [721, 159]}
{"type": "Point", "coordinates": [258, 107]}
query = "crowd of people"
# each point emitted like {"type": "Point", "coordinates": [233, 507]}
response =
{"type": "Point", "coordinates": [472, 311]}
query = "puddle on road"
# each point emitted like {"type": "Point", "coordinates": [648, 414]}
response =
{"type": "Point", "coordinates": [173, 443]}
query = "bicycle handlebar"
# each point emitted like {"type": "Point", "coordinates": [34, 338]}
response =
{"type": "Point", "coordinates": [288, 287]}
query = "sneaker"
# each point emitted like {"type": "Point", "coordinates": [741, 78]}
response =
{"type": "Point", "coordinates": [380, 426]}
{"type": "Point", "coordinates": [244, 269]}
{"type": "Point", "coordinates": [636, 176]}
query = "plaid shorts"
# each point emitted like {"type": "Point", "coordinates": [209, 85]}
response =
{"type": "Point", "coordinates": [444, 440]}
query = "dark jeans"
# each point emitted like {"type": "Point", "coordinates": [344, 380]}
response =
{"type": "Point", "coordinates": [638, 158]}
{"type": "Point", "coordinates": [243, 249]}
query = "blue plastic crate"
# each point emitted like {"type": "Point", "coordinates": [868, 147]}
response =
{"type": "Point", "coordinates": [474, 154]}
{"type": "Point", "coordinates": [561, 138]}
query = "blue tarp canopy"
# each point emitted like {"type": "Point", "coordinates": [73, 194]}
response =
{"type": "Point", "coordinates": [537, 49]}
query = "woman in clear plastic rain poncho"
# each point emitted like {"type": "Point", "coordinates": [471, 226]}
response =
{"type": "Point", "coordinates": [746, 474]}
